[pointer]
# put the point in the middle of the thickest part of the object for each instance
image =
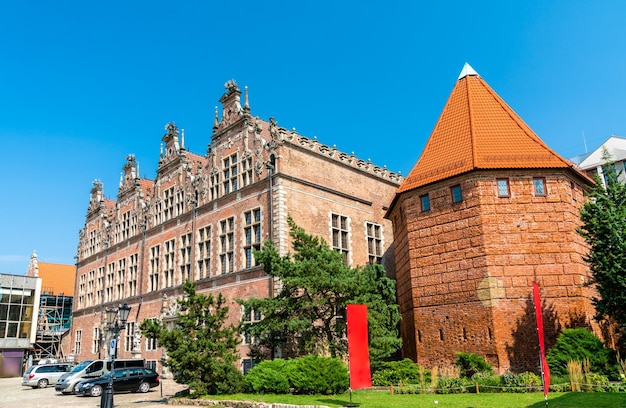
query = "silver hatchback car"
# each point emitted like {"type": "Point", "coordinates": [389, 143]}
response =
{"type": "Point", "coordinates": [40, 376]}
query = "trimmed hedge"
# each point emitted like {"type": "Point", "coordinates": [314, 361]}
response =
{"type": "Point", "coordinates": [304, 375]}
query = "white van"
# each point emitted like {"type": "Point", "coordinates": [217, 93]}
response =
{"type": "Point", "coordinates": [92, 369]}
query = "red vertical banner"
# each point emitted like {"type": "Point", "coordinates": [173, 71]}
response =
{"type": "Point", "coordinates": [545, 370]}
{"type": "Point", "coordinates": [358, 349]}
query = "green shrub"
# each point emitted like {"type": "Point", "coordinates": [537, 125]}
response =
{"type": "Point", "coordinates": [510, 379]}
{"type": "Point", "coordinates": [268, 377]}
{"type": "Point", "coordinates": [395, 372]}
{"type": "Point", "coordinates": [530, 382]}
{"type": "Point", "coordinates": [577, 345]}
{"type": "Point", "coordinates": [317, 375]}
{"type": "Point", "coordinates": [452, 385]}
{"type": "Point", "coordinates": [487, 383]}
{"type": "Point", "coordinates": [472, 363]}
{"type": "Point", "coordinates": [595, 382]}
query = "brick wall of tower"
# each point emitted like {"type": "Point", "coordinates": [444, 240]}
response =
{"type": "Point", "coordinates": [465, 269]}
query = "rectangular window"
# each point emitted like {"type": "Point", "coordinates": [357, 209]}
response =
{"type": "Point", "coordinates": [252, 235]}
{"type": "Point", "coordinates": [133, 265]}
{"type": "Point", "coordinates": [129, 336]}
{"type": "Point", "coordinates": [340, 235]}
{"type": "Point", "coordinates": [184, 260]}
{"type": "Point", "coordinates": [246, 171]}
{"type": "Point", "coordinates": [214, 186]}
{"type": "Point", "coordinates": [110, 282]}
{"type": "Point", "coordinates": [425, 202]}
{"type": "Point", "coordinates": [151, 343]}
{"type": "Point", "coordinates": [229, 172]}
{"type": "Point", "coordinates": [77, 341]}
{"type": "Point", "coordinates": [168, 204]}
{"type": "Point", "coordinates": [100, 285]}
{"type": "Point", "coordinates": [125, 226]}
{"type": "Point", "coordinates": [227, 245]}
{"type": "Point", "coordinates": [97, 340]}
{"type": "Point", "coordinates": [250, 316]}
{"type": "Point", "coordinates": [503, 188]}
{"type": "Point", "coordinates": [374, 236]}
{"type": "Point", "coordinates": [168, 263]}
{"type": "Point", "coordinates": [204, 252]}
{"type": "Point", "coordinates": [539, 184]}
{"type": "Point", "coordinates": [154, 268]}
{"type": "Point", "coordinates": [457, 197]}
{"type": "Point", "coordinates": [121, 279]}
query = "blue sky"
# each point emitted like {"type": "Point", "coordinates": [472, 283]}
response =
{"type": "Point", "coordinates": [83, 84]}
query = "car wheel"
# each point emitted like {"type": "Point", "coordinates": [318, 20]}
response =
{"type": "Point", "coordinates": [95, 391]}
{"type": "Point", "coordinates": [144, 387]}
{"type": "Point", "coordinates": [43, 383]}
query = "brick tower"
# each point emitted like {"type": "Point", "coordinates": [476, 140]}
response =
{"type": "Point", "coordinates": [488, 209]}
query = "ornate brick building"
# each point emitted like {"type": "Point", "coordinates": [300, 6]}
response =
{"type": "Point", "coordinates": [487, 209]}
{"type": "Point", "coordinates": [203, 215]}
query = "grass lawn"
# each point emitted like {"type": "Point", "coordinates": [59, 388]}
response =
{"type": "Point", "coordinates": [382, 399]}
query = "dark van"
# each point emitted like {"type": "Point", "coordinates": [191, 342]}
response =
{"type": "Point", "coordinates": [93, 369]}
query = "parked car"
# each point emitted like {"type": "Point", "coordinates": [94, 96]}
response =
{"type": "Point", "coordinates": [40, 376]}
{"type": "Point", "coordinates": [135, 379]}
{"type": "Point", "coordinates": [90, 369]}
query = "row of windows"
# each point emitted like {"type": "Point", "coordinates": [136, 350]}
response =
{"type": "Point", "coordinates": [235, 173]}
{"type": "Point", "coordinates": [340, 238]}
{"type": "Point", "coordinates": [503, 190]}
{"type": "Point", "coordinates": [171, 263]}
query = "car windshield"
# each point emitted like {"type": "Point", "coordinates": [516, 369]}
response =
{"type": "Point", "coordinates": [81, 366]}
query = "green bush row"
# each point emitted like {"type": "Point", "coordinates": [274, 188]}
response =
{"type": "Point", "coordinates": [304, 375]}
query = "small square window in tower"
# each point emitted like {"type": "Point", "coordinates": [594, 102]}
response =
{"type": "Point", "coordinates": [503, 188]}
{"type": "Point", "coordinates": [457, 196]}
{"type": "Point", "coordinates": [425, 201]}
{"type": "Point", "coordinates": [539, 184]}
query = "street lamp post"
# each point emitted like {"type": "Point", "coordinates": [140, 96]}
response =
{"type": "Point", "coordinates": [114, 325]}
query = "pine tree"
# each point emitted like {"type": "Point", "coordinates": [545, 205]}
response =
{"type": "Point", "coordinates": [307, 316]}
{"type": "Point", "coordinates": [604, 229]}
{"type": "Point", "coordinates": [201, 348]}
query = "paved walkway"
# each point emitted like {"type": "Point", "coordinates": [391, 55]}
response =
{"type": "Point", "coordinates": [14, 395]}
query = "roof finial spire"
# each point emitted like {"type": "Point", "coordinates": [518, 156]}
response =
{"type": "Point", "coordinates": [215, 122]}
{"type": "Point", "coordinates": [246, 105]}
{"type": "Point", "coordinates": [467, 70]}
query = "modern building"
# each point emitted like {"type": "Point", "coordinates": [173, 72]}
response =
{"type": "Point", "coordinates": [487, 209]}
{"type": "Point", "coordinates": [55, 309]}
{"type": "Point", "coordinates": [19, 304]}
{"type": "Point", "coordinates": [592, 163]}
{"type": "Point", "coordinates": [203, 215]}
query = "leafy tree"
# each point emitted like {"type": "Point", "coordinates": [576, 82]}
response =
{"type": "Point", "coordinates": [306, 316]}
{"type": "Point", "coordinates": [201, 348]}
{"type": "Point", "coordinates": [604, 229]}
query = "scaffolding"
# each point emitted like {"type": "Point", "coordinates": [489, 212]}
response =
{"type": "Point", "coordinates": [55, 318]}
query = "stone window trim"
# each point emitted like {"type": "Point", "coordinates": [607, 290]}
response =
{"type": "Point", "coordinates": [374, 241]}
{"type": "Point", "coordinates": [504, 188]}
{"type": "Point", "coordinates": [340, 235]}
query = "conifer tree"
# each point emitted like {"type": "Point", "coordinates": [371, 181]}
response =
{"type": "Point", "coordinates": [604, 229]}
{"type": "Point", "coordinates": [307, 316]}
{"type": "Point", "coordinates": [201, 348]}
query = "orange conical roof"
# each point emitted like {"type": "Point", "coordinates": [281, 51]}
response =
{"type": "Point", "coordinates": [478, 130]}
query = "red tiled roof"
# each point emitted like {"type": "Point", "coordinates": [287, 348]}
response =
{"type": "Point", "coordinates": [478, 130]}
{"type": "Point", "coordinates": [57, 278]}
